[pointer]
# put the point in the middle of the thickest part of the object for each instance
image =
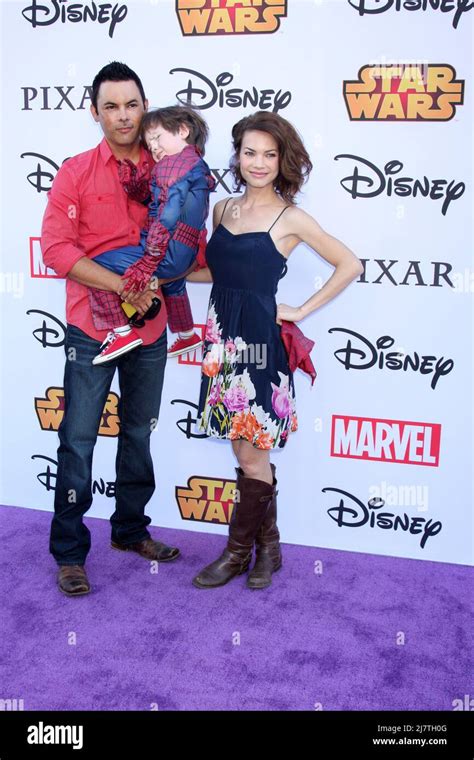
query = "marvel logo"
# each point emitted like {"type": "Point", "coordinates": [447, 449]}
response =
{"type": "Point", "coordinates": [37, 266]}
{"type": "Point", "coordinates": [385, 440]}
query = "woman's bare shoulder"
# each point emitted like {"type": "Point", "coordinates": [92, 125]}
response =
{"type": "Point", "coordinates": [298, 220]}
{"type": "Point", "coordinates": [297, 214]}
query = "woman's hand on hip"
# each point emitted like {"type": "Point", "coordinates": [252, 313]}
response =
{"type": "Point", "coordinates": [288, 313]}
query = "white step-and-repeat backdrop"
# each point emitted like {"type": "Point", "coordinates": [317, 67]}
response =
{"type": "Point", "coordinates": [381, 93]}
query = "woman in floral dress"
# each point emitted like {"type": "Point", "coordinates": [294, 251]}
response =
{"type": "Point", "coordinates": [247, 388]}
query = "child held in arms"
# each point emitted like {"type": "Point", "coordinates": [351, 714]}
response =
{"type": "Point", "coordinates": [180, 183]}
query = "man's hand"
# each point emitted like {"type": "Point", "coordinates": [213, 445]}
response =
{"type": "Point", "coordinates": [129, 295]}
{"type": "Point", "coordinates": [139, 273]}
{"type": "Point", "coordinates": [141, 301]}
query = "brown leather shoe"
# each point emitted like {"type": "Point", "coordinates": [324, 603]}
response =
{"type": "Point", "coordinates": [72, 580]}
{"type": "Point", "coordinates": [150, 549]}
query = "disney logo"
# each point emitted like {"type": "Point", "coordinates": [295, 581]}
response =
{"type": "Point", "coordinates": [358, 514]}
{"type": "Point", "coordinates": [49, 476]}
{"type": "Point", "coordinates": [371, 185]}
{"type": "Point", "coordinates": [41, 174]}
{"type": "Point", "coordinates": [445, 6]}
{"type": "Point", "coordinates": [368, 355]}
{"type": "Point", "coordinates": [41, 333]}
{"type": "Point", "coordinates": [103, 13]}
{"type": "Point", "coordinates": [186, 424]}
{"type": "Point", "coordinates": [234, 98]}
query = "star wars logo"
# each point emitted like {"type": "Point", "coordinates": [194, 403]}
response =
{"type": "Point", "coordinates": [50, 411]}
{"type": "Point", "coordinates": [404, 92]}
{"type": "Point", "coordinates": [212, 17]}
{"type": "Point", "coordinates": [206, 499]}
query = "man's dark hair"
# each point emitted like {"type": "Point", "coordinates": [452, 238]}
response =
{"type": "Point", "coordinates": [115, 72]}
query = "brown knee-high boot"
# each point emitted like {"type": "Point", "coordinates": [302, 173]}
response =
{"type": "Point", "coordinates": [254, 497]}
{"type": "Point", "coordinates": [268, 555]}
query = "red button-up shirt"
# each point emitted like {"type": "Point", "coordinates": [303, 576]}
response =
{"type": "Point", "coordinates": [89, 212]}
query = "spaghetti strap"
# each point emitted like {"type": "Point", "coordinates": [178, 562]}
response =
{"type": "Point", "coordinates": [276, 220]}
{"type": "Point", "coordinates": [223, 210]}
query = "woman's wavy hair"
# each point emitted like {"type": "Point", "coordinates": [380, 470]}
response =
{"type": "Point", "coordinates": [171, 118]}
{"type": "Point", "coordinates": [294, 162]}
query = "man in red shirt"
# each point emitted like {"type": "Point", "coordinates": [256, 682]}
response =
{"type": "Point", "coordinates": [89, 212]}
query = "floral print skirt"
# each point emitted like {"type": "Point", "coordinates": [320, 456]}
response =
{"type": "Point", "coordinates": [247, 389]}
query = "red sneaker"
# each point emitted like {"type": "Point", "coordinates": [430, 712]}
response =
{"type": "Point", "coordinates": [183, 345]}
{"type": "Point", "coordinates": [115, 345]}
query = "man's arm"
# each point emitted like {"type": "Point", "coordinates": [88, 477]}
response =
{"type": "Point", "coordinates": [87, 272]}
{"type": "Point", "coordinates": [59, 238]}
{"type": "Point", "coordinates": [200, 275]}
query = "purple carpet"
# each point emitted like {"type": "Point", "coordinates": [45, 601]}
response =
{"type": "Point", "coordinates": [152, 641]}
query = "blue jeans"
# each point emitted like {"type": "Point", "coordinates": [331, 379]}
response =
{"type": "Point", "coordinates": [86, 387]}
